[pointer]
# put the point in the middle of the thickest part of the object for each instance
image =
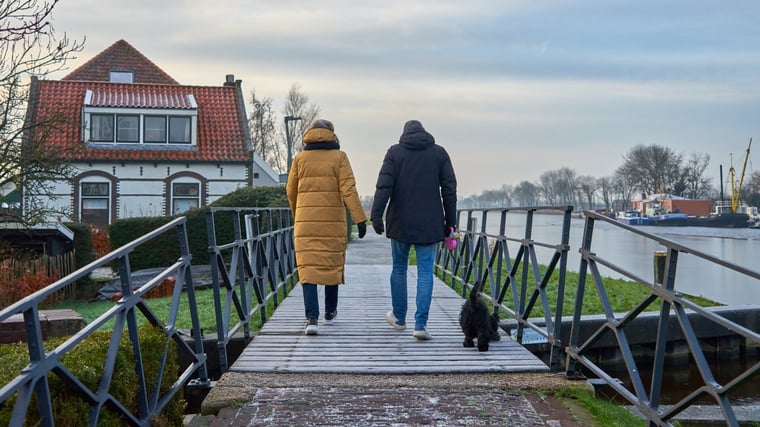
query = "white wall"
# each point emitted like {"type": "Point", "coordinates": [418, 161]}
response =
{"type": "Point", "coordinates": [141, 186]}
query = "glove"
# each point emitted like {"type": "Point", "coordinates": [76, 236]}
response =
{"type": "Point", "coordinates": [377, 224]}
{"type": "Point", "coordinates": [362, 229]}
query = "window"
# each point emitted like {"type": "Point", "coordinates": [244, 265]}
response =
{"type": "Point", "coordinates": [127, 128]}
{"type": "Point", "coordinates": [95, 201]}
{"type": "Point", "coordinates": [101, 127]}
{"type": "Point", "coordinates": [185, 196]}
{"type": "Point", "coordinates": [137, 128]}
{"type": "Point", "coordinates": [121, 76]}
{"type": "Point", "coordinates": [155, 129]}
{"type": "Point", "coordinates": [179, 129]}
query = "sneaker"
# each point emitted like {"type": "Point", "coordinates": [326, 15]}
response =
{"type": "Point", "coordinates": [311, 327]}
{"type": "Point", "coordinates": [330, 317]}
{"type": "Point", "coordinates": [422, 335]}
{"type": "Point", "coordinates": [391, 319]}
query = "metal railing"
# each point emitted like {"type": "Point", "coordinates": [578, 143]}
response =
{"type": "Point", "coordinates": [256, 266]}
{"type": "Point", "coordinates": [485, 255]}
{"type": "Point", "coordinates": [32, 383]}
{"type": "Point", "coordinates": [648, 403]}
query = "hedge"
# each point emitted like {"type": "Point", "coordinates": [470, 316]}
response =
{"type": "Point", "coordinates": [163, 251]}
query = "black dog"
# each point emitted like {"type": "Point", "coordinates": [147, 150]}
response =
{"type": "Point", "coordinates": [477, 322]}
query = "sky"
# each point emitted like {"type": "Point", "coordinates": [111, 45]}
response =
{"type": "Point", "coordinates": [511, 89]}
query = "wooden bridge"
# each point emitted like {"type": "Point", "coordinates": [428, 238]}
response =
{"type": "Point", "coordinates": [360, 341]}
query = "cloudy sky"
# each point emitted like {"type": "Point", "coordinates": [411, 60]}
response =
{"type": "Point", "coordinates": [510, 88]}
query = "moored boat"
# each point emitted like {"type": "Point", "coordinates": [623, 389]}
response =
{"type": "Point", "coordinates": [631, 218]}
{"type": "Point", "coordinates": [726, 216]}
{"type": "Point", "coordinates": [669, 219]}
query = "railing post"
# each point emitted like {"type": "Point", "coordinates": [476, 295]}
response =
{"type": "Point", "coordinates": [214, 260]}
{"type": "Point", "coordinates": [556, 351]}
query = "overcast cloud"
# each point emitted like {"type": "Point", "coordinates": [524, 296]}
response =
{"type": "Point", "coordinates": [510, 88]}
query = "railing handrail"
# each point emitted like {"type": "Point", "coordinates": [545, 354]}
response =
{"type": "Point", "coordinates": [257, 265]}
{"type": "Point", "coordinates": [471, 261]}
{"type": "Point", "coordinates": [32, 380]}
{"type": "Point", "coordinates": [648, 404]}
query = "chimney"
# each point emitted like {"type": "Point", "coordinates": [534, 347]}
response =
{"type": "Point", "coordinates": [229, 80]}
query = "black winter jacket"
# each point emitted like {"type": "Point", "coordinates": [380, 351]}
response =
{"type": "Point", "coordinates": [418, 185]}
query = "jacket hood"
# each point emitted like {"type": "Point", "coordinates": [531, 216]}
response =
{"type": "Point", "coordinates": [415, 136]}
{"type": "Point", "coordinates": [319, 135]}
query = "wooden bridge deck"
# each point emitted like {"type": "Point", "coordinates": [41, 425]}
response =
{"type": "Point", "coordinates": [361, 341]}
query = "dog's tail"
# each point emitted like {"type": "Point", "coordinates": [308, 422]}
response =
{"type": "Point", "coordinates": [475, 292]}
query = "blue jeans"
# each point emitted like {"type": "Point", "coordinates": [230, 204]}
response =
{"type": "Point", "coordinates": [311, 299]}
{"type": "Point", "coordinates": [425, 258]}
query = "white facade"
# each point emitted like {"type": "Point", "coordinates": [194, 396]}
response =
{"type": "Point", "coordinates": [128, 190]}
{"type": "Point", "coordinates": [263, 174]}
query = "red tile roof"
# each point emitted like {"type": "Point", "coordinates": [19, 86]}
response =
{"type": "Point", "coordinates": [220, 134]}
{"type": "Point", "coordinates": [120, 56]}
{"type": "Point", "coordinates": [125, 96]}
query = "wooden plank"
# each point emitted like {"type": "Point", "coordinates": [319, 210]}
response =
{"type": "Point", "coordinates": [361, 341]}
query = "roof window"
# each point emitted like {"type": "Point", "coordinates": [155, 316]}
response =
{"type": "Point", "coordinates": [121, 76]}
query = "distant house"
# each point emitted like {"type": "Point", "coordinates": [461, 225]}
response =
{"type": "Point", "coordinates": [656, 204]}
{"type": "Point", "coordinates": [144, 145]}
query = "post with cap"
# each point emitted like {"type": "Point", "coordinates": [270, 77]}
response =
{"type": "Point", "coordinates": [288, 138]}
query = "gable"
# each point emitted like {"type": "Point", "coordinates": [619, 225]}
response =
{"type": "Point", "coordinates": [120, 57]}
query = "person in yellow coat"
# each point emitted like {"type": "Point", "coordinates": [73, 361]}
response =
{"type": "Point", "coordinates": [320, 187]}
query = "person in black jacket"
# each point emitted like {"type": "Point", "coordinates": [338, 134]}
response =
{"type": "Point", "coordinates": [418, 185]}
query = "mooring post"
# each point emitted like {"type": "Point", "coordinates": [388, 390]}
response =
{"type": "Point", "coordinates": [659, 266]}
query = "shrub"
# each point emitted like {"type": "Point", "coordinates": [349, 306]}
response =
{"type": "Point", "coordinates": [100, 242]}
{"type": "Point", "coordinates": [85, 361]}
{"type": "Point", "coordinates": [163, 251]}
{"type": "Point", "coordinates": [84, 253]}
{"type": "Point", "coordinates": [159, 252]}
{"type": "Point", "coordinates": [16, 284]}
{"type": "Point", "coordinates": [83, 248]}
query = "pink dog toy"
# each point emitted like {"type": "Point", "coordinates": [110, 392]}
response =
{"type": "Point", "coordinates": [450, 241]}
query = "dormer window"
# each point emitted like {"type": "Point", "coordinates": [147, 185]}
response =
{"type": "Point", "coordinates": [121, 76]}
{"type": "Point", "coordinates": [124, 117]}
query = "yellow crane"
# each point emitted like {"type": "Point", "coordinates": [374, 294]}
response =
{"type": "Point", "coordinates": [736, 191]}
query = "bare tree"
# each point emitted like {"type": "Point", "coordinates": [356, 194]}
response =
{"type": "Point", "coordinates": [527, 194]}
{"type": "Point", "coordinates": [624, 190]}
{"type": "Point", "coordinates": [751, 190]}
{"type": "Point", "coordinates": [587, 187]}
{"type": "Point", "coordinates": [651, 168]}
{"type": "Point", "coordinates": [559, 186]}
{"type": "Point", "coordinates": [267, 142]}
{"type": "Point", "coordinates": [550, 184]}
{"type": "Point", "coordinates": [29, 49]}
{"type": "Point", "coordinates": [696, 184]}
{"type": "Point", "coordinates": [604, 185]}
{"type": "Point", "coordinates": [506, 191]}
{"type": "Point", "coordinates": [297, 105]}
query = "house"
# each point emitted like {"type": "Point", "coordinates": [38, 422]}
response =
{"type": "Point", "coordinates": [656, 204]}
{"type": "Point", "coordinates": [142, 143]}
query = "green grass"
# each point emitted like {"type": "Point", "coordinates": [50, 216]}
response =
{"type": "Point", "coordinates": [623, 295]}
{"type": "Point", "coordinates": [161, 306]}
{"type": "Point", "coordinates": [605, 412]}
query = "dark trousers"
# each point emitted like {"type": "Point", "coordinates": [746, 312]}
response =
{"type": "Point", "coordinates": [311, 299]}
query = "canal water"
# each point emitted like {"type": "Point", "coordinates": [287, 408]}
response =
{"type": "Point", "coordinates": [694, 276]}
{"type": "Point", "coordinates": [635, 254]}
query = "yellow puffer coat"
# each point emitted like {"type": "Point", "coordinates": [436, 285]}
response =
{"type": "Point", "coordinates": [320, 187]}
